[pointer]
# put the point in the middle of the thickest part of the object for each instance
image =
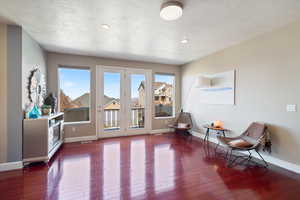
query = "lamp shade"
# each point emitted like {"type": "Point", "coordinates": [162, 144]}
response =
{"type": "Point", "coordinates": [218, 124]}
{"type": "Point", "coordinates": [203, 82]}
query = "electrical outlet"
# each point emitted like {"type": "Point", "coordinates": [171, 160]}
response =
{"type": "Point", "coordinates": [291, 108]}
{"type": "Point", "coordinates": [73, 129]}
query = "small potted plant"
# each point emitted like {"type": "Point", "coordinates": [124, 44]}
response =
{"type": "Point", "coordinates": [46, 109]}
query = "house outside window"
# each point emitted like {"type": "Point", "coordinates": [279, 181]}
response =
{"type": "Point", "coordinates": [164, 87]}
{"type": "Point", "coordinates": [74, 93]}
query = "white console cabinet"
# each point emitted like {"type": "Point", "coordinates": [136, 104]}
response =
{"type": "Point", "coordinates": [42, 137]}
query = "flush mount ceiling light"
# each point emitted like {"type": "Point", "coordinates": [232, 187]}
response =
{"type": "Point", "coordinates": [105, 26]}
{"type": "Point", "coordinates": [171, 10]}
{"type": "Point", "coordinates": [184, 41]}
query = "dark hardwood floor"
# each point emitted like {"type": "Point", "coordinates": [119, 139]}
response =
{"type": "Point", "coordinates": [146, 167]}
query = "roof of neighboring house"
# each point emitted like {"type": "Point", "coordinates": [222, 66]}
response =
{"type": "Point", "coordinates": [142, 85]}
{"type": "Point", "coordinates": [156, 85]}
{"type": "Point", "coordinates": [108, 99]}
{"type": "Point", "coordinates": [116, 105]}
{"type": "Point", "coordinates": [112, 105]}
{"type": "Point", "coordinates": [83, 100]}
{"type": "Point", "coordinates": [66, 102]}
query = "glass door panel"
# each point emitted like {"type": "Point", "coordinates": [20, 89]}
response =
{"type": "Point", "coordinates": [110, 105]}
{"type": "Point", "coordinates": [111, 100]}
{"type": "Point", "coordinates": [137, 101]}
{"type": "Point", "coordinates": [123, 101]}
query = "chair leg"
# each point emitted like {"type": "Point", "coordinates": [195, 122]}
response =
{"type": "Point", "coordinates": [226, 154]}
{"type": "Point", "coordinates": [249, 157]}
{"type": "Point", "coordinates": [190, 135]}
{"type": "Point", "coordinates": [229, 161]}
{"type": "Point", "coordinates": [217, 147]}
{"type": "Point", "coordinates": [266, 164]}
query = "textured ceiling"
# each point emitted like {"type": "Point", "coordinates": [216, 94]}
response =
{"type": "Point", "coordinates": [138, 33]}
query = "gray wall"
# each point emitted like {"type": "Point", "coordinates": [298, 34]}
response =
{"type": "Point", "coordinates": [3, 92]}
{"type": "Point", "coordinates": [54, 60]}
{"type": "Point", "coordinates": [18, 54]}
{"type": "Point", "coordinates": [267, 79]}
{"type": "Point", "coordinates": [33, 56]}
{"type": "Point", "coordinates": [14, 93]}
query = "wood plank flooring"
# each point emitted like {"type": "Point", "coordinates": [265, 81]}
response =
{"type": "Point", "coordinates": [163, 166]}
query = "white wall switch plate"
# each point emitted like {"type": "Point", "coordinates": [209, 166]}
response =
{"type": "Point", "coordinates": [291, 108]}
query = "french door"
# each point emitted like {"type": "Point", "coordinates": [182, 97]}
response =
{"type": "Point", "coordinates": [123, 101]}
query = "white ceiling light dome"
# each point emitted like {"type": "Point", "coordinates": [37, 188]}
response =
{"type": "Point", "coordinates": [171, 10]}
{"type": "Point", "coordinates": [184, 40]}
{"type": "Point", "coordinates": [105, 26]}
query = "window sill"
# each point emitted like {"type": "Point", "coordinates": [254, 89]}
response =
{"type": "Point", "coordinates": [170, 117]}
{"type": "Point", "coordinates": [77, 123]}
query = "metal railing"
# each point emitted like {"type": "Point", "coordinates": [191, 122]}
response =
{"type": "Point", "coordinates": [111, 117]}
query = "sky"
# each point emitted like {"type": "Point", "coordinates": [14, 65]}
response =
{"type": "Point", "coordinates": [76, 82]}
{"type": "Point", "coordinates": [112, 84]}
{"type": "Point", "coordinates": [164, 78]}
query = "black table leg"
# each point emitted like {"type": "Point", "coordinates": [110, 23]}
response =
{"type": "Point", "coordinates": [206, 135]}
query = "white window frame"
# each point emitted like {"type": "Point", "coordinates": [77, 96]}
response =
{"type": "Point", "coordinates": [58, 92]}
{"type": "Point", "coordinates": [173, 96]}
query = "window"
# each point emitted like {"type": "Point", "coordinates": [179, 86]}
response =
{"type": "Point", "coordinates": [164, 95]}
{"type": "Point", "coordinates": [74, 94]}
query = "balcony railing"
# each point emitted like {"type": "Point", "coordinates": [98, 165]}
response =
{"type": "Point", "coordinates": [111, 117]}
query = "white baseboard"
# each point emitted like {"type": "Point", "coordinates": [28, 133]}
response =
{"type": "Point", "coordinates": [80, 139]}
{"type": "Point", "coordinates": [11, 166]}
{"type": "Point", "coordinates": [270, 159]}
{"type": "Point", "coordinates": [93, 137]}
{"type": "Point", "coordinates": [157, 131]}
